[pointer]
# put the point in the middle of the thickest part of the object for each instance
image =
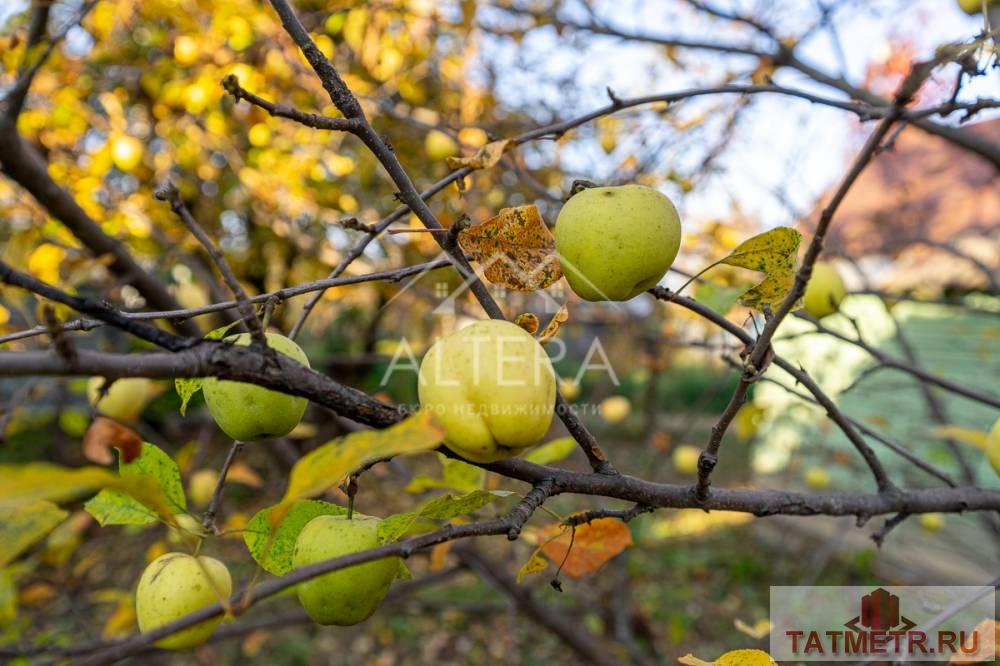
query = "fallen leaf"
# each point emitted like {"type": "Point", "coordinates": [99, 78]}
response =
{"type": "Point", "coordinates": [243, 473]}
{"type": "Point", "coordinates": [439, 555]}
{"type": "Point", "coordinates": [593, 545]}
{"type": "Point", "coordinates": [757, 630]}
{"type": "Point", "coordinates": [515, 249]}
{"type": "Point", "coordinates": [989, 638]}
{"type": "Point", "coordinates": [483, 158]}
{"type": "Point", "coordinates": [105, 434]}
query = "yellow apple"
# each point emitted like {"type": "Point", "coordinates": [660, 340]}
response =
{"type": "Point", "coordinates": [745, 658]}
{"type": "Point", "coordinates": [491, 385]}
{"type": "Point", "coordinates": [125, 398]}
{"type": "Point", "coordinates": [615, 408]}
{"type": "Point", "coordinates": [616, 242]}
{"type": "Point", "coordinates": [932, 522]}
{"type": "Point", "coordinates": [175, 585]}
{"type": "Point", "coordinates": [251, 413]}
{"type": "Point", "coordinates": [685, 458]}
{"type": "Point", "coordinates": [201, 486]}
{"type": "Point", "coordinates": [439, 146]}
{"type": "Point", "coordinates": [825, 291]}
{"type": "Point", "coordinates": [346, 596]}
{"type": "Point", "coordinates": [188, 532]}
{"type": "Point", "coordinates": [817, 478]}
{"type": "Point", "coordinates": [993, 446]}
{"type": "Point", "coordinates": [972, 7]}
{"type": "Point", "coordinates": [569, 388]}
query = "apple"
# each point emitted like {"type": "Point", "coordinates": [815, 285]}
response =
{"type": "Point", "coordinates": [125, 398]}
{"type": "Point", "coordinates": [973, 7]}
{"type": "Point", "coordinates": [615, 408]}
{"type": "Point", "coordinates": [745, 658]}
{"type": "Point", "coordinates": [569, 388]}
{"type": "Point", "coordinates": [616, 242]}
{"type": "Point", "coordinates": [188, 531]}
{"type": "Point", "coordinates": [993, 446]}
{"type": "Point", "coordinates": [201, 486]}
{"type": "Point", "coordinates": [932, 522]}
{"type": "Point", "coordinates": [250, 413]}
{"type": "Point", "coordinates": [492, 386]}
{"type": "Point", "coordinates": [685, 458]}
{"type": "Point", "coordinates": [824, 291]}
{"type": "Point", "coordinates": [439, 146]}
{"type": "Point", "coordinates": [176, 584]}
{"type": "Point", "coordinates": [817, 478]}
{"type": "Point", "coordinates": [346, 596]}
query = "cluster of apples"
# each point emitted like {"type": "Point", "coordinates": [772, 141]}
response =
{"type": "Point", "coordinates": [491, 385]}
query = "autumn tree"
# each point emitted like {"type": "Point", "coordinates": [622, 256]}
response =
{"type": "Point", "coordinates": [177, 173]}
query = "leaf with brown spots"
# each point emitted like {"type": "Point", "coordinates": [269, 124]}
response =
{"type": "Point", "coordinates": [515, 249]}
{"type": "Point", "coordinates": [773, 253]}
{"type": "Point", "coordinates": [105, 434]}
{"type": "Point", "coordinates": [528, 321]}
{"type": "Point", "coordinates": [483, 158]}
{"type": "Point", "coordinates": [593, 545]}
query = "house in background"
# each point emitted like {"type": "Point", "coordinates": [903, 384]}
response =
{"type": "Point", "coordinates": [923, 219]}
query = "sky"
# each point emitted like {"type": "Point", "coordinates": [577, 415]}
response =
{"type": "Point", "coordinates": [782, 145]}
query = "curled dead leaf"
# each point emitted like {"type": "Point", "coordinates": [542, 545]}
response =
{"type": "Point", "coordinates": [105, 434]}
{"type": "Point", "coordinates": [483, 158]}
{"type": "Point", "coordinates": [515, 249]}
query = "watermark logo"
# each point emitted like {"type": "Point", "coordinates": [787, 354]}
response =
{"type": "Point", "coordinates": [917, 623]}
{"type": "Point", "coordinates": [592, 356]}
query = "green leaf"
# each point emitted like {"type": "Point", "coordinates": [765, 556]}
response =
{"type": "Point", "coordinates": [274, 555]}
{"type": "Point", "coordinates": [551, 452]}
{"type": "Point", "coordinates": [111, 507]}
{"type": "Point", "coordinates": [186, 388]}
{"type": "Point", "coordinates": [327, 465]}
{"type": "Point", "coordinates": [152, 467]}
{"type": "Point", "coordinates": [773, 253]}
{"type": "Point", "coordinates": [441, 508]}
{"type": "Point", "coordinates": [23, 526]}
{"type": "Point", "coordinates": [456, 475]}
{"type": "Point", "coordinates": [402, 573]}
{"type": "Point", "coordinates": [719, 299]}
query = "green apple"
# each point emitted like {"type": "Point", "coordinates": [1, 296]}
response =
{"type": "Point", "coordinates": [125, 398]}
{"type": "Point", "coordinates": [993, 447]}
{"type": "Point", "coordinates": [685, 459]}
{"type": "Point", "coordinates": [824, 291]}
{"type": "Point", "coordinates": [439, 146]}
{"type": "Point", "coordinates": [491, 385]}
{"type": "Point", "coordinates": [615, 408]}
{"type": "Point", "coordinates": [201, 486]}
{"type": "Point", "coordinates": [176, 584]}
{"type": "Point", "coordinates": [616, 242]}
{"type": "Point", "coordinates": [251, 413]}
{"type": "Point", "coordinates": [931, 522]}
{"type": "Point", "coordinates": [346, 596]}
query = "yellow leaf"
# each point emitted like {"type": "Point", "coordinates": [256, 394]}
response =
{"type": "Point", "coordinates": [483, 158]}
{"type": "Point", "coordinates": [515, 249]}
{"type": "Point", "coordinates": [560, 318]}
{"type": "Point", "coordinates": [773, 253]}
{"type": "Point", "coordinates": [691, 660]}
{"type": "Point", "coordinates": [329, 464]}
{"type": "Point", "coordinates": [242, 473]}
{"type": "Point", "coordinates": [528, 321]}
{"type": "Point", "coordinates": [976, 438]}
{"type": "Point", "coordinates": [533, 565]}
{"type": "Point", "coordinates": [745, 658]}
{"type": "Point", "coordinates": [24, 525]}
{"type": "Point", "coordinates": [757, 630]}
{"type": "Point", "coordinates": [122, 619]}
{"type": "Point", "coordinates": [23, 484]}
{"type": "Point", "coordinates": [593, 545]}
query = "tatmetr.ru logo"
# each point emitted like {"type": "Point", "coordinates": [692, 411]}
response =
{"type": "Point", "coordinates": [897, 623]}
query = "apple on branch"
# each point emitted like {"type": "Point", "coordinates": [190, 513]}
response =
{"type": "Point", "coordinates": [492, 386]}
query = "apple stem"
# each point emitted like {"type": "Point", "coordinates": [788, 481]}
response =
{"type": "Point", "coordinates": [351, 490]}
